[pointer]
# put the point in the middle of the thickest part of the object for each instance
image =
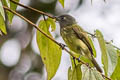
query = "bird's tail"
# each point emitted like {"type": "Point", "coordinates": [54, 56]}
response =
{"type": "Point", "coordinates": [96, 65]}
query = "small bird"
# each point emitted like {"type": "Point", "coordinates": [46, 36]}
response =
{"type": "Point", "coordinates": [76, 38]}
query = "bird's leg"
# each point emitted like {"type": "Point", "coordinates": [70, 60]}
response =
{"type": "Point", "coordinates": [74, 61]}
{"type": "Point", "coordinates": [62, 45]}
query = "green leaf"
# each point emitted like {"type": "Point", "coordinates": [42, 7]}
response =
{"type": "Point", "coordinates": [2, 25]}
{"type": "Point", "coordinates": [2, 20]}
{"type": "Point", "coordinates": [13, 7]}
{"type": "Point", "coordinates": [52, 23]}
{"type": "Point", "coordinates": [2, 10]}
{"type": "Point", "coordinates": [49, 51]}
{"type": "Point", "coordinates": [90, 74]}
{"type": "Point", "coordinates": [103, 50]}
{"type": "Point", "coordinates": [75, 73]}
{"type": "Point", "coordinates": [74, 62]}
{"type": "Point", "coordinates": [6, 3]}
{"type": "Point", "coordinates": [62, 2]}
{"type": "Point", "coordinates": [92, 45]}
{"type": "Point", "coordinates": [86, 60]}
{"type": "Point", "coordinates": [116, 73]}
{"type": "Point", "coordinates": [112, 58]}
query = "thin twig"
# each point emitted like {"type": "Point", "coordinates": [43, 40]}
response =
{"type": "Point", "coordinates": [105, 77]}
{"type": "Point", "coordinates": [30, 23]}
{"type": "Point", "coordinates": [49, 37]}
{"type": "Point", "coordinates": [33, 9]}
{"type": "Point", "coordinates": [94, 36]}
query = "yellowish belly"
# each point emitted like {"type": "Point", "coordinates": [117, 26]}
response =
{"type": "Point", "coordinates": [72, 42]}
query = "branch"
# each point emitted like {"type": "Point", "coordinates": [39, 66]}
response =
{"type": "Point", "coordinates": [49, 37]}
{"type": "Point", "coordinates": [33, 9]}
{"type": "Point", "coordinates": [34, 25]}
{"type": "Point", "coordinates": [41, 12]}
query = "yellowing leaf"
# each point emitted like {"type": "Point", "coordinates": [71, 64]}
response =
{"type": "Point", "coordinates": [52, 23]}
{"type": "Point", "coordinates": [62, 2]}
{"type": "Point", "coordinates": [49, 51]}
{"type": "Point", "coordinates": [103, 50]}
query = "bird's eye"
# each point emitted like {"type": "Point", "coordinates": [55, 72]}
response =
{"type": "Point", "coordinates": [63, 18]}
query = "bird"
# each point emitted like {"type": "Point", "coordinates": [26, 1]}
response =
{"type": "Point", "coordinates": [76, 38]}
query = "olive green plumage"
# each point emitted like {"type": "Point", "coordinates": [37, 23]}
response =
{"type": "Point", "coordinates": [76, 38]}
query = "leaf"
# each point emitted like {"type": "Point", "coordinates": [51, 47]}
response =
{"type": "Point", "coordinates": [2, 25]}
{"type": "Point", "coordinates": [49, 51]}
{"type": "Point", "coordinates": [112, 58]}
{"type": "Point", "coordinates": [92, 45]}
{"type": "Point", "coordinates": [74, 62]}
{"type": "Point", "coordinates": [2, 20]}
{"type": "Point", "coordinates": [75, 74]}
{"type": "Point", "coordinates": [6, 3]}
{"type": "Point", "coordinates": [9, 14]}
{"type": "Point", "coordinates": [52, 23]}
{"type": "Point", "coordinates": [62, 2]}
{"type": "Point", "coordinates": [86, 60]}
{"type": "Point", "coordinates": [2, 10]}
{"type": "Point", "coordinates": [90, 74]}
{"type": "Point", "coordinates": [103, 50]}
{"type": "Point", "coordinates": [116, 73]}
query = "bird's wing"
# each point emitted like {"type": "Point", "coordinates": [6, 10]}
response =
{"type": "Point", "coordinates": [82, 35]}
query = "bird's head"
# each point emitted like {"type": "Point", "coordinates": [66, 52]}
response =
{"type": "Point", "coordinates": [65, 20]}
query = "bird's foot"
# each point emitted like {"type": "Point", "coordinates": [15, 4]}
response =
{"type": "Point", "coordinates": [62, 45]}
{"type": "Point", "coordinates": [74, 61]}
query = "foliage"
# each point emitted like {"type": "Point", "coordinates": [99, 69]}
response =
{"type": "Point", "coordinates": [103, 50]}
{"type": "Point", "coordinates": [116, 74]}
{"type": "Point", "coordinates": [2, 19]}
{"type": "Point", "coordinates": [90, 74]}
{"type": "Point", "coordinates": [62, 2]}
{"type": "Point", "coordinates": [51, 52]}
{"type": "Point", "coordinates": [9, 14]}
{"type": "Point", "coordinates": [75, 73]}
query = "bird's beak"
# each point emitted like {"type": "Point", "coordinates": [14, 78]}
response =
{"type": "Point", "coordinates": [57, 18]}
